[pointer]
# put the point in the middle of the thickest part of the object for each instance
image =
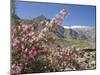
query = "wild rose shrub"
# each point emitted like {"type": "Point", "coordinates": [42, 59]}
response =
{"type": "Point", "coordinates": [26, 45]}
{"type": "Point", "coordinates": [32, 52]}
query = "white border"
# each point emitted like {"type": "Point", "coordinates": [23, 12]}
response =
{"type": "Point", "coordinates": [84, 2]}
{"type": "Point", "coordinates": [5, 36]}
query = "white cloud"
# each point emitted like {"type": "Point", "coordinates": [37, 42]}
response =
{"type": "Point", "coordinates": [76, 26]}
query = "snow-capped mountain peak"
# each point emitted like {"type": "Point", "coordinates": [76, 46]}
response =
{"type": "Point", "coordinates": [75, 26]}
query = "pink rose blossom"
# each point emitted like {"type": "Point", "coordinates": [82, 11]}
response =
{"type": "Point", "coordinates": [45, 49]}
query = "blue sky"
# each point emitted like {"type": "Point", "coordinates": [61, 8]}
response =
{"type": "Point", "coordinates": [78, 14]}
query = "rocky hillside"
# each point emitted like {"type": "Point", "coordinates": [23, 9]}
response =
{"type": "Point", "coordinates": [80, 33]}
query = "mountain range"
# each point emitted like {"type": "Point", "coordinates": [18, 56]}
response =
{"type": "Point", "coordinates": [72, 32]}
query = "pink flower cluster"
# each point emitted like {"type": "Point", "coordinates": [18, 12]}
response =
{"type": "Point", "coordinates": [63, 54]}
{"type": "Point", "coordinates": [16, 68]}
{"type": "Point", "coordinates": [26, 44]}
{"type": "Point", "coordinates": [60, 17]}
